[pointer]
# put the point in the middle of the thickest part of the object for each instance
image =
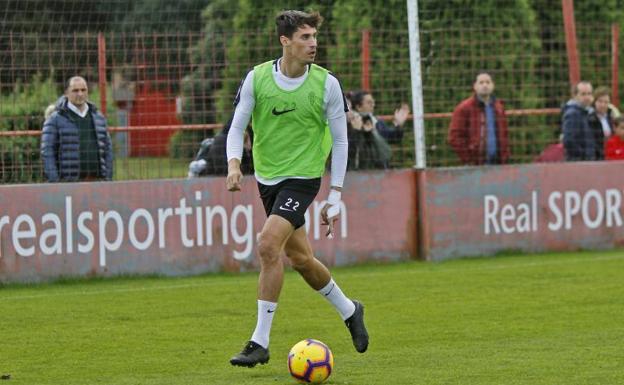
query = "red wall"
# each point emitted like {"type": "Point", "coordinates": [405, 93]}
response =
{"type": "Point", "coordinates": [152, 108]}
{"type": "Point", "coordinates": [109, 228]}
{"type": "Point", "coordinates": [476, 211]}
{"type": "Point", "coordinates": [471, 211]}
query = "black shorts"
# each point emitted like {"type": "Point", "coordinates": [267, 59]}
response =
{"type": "Point", "coordinates": [290, 198]}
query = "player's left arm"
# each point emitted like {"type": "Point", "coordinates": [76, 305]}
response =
{"type": "Point", "coordinates": [335, 112]}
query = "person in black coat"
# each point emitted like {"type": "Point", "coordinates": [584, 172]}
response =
{"type": "Point", "coordinates": [364, 103]}
{"type": "Point", "coordinates": [578, 137]}
{"type": "Point", "coordinates": [367, 148]}
{"type": "Point", "coordinates": [75, 143]}
{"type": "Point", "coordinates": [211, 159]}
{"type": "Point", "coordinates": [601, 119]}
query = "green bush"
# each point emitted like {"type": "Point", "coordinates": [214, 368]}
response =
{"type": "Point", "coordinates": [185, 144]}
{"type": "Point", "coordinates": [22, 110]}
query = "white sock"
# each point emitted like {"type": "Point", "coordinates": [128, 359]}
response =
{"type": "Point", "coordinates": [266, 311]}
{"type": "Point", "coordinates": [333, 294]}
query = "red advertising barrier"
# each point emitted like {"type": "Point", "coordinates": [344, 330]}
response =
{"type": "Point", "coordinates": [180, 227]}
{"type": "Point", "coordinates": [534, 207]}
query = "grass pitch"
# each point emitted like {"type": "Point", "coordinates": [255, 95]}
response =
{"type": "Point", "coordinates": [539, 319]}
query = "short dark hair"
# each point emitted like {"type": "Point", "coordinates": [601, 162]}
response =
{"type": "Point", "coordinates": [601, 91]}
{"type": "Point", "coordinates": [288, 22]}
{"type": "Point", "coordinates": [357, 97]}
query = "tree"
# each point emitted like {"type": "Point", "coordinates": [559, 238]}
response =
{"type": "Point", "coordinates": [461, 38]}
{"type": "Point", "coordinates": [162, 16]}
{"type": "Point", "coordinates": [593, 24]}
{"type": "Point", "coordinates": [22, 109]}
{"type": "Point", "coordinates": [253, 43]}
{"type": "Point", "coordinates": [389, 53]}
{"type": "Point", "coordinates": [200, 87]}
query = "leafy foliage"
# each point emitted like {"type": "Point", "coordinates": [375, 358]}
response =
{"type": "Point", "coordinates": [521, 42]}
{"type": "Point", "coordinates": [23, 110]}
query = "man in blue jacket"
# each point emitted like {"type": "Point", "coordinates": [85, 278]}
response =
{"type": "Point", "coordinates": [578, 137]}
{"type": "Point", "coordinates": [75, 144]}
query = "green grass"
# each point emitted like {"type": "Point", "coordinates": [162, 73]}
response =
{"type": "Point", "coordinates": [132, 168]}
{"type": "Point", "coordinates": [539, 319]}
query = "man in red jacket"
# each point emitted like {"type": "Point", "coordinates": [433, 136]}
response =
{"type": "Point", "coordinates": [478, 130]}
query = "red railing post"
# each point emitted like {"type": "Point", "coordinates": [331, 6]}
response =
{"type": "Point", "coordinates": [365, 81]}
{"type": "Point", "coordinates": [102, 71]}
{"type": "Point", "coordinates": [574, 69]}
{"type": "Point", "coordinates": [615, 64]}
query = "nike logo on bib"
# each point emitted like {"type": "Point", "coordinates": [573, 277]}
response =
{"type": "Point", "coordinates": [276, 112]}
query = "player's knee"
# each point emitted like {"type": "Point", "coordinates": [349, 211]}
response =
{"type": "Point", "coordinates": [267, 250]}
{"type": "Point", "coordinates": [301, 265]}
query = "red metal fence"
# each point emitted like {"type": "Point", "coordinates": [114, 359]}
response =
{"type": "Point", "coordinates": [163, 92]}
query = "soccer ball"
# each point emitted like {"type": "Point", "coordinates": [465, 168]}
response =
{"type": "Point", "coordinates": [310, 361]}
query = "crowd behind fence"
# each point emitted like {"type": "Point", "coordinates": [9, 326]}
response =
{"type": "Point", "coordinates": [164, 92]}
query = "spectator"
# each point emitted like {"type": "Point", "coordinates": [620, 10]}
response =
{"type": "Point", "coordinates": [364, 103]}
{"type": "Point", "coordinates": [478, 130]}
{"type": "Point", "coordinates": [614, 149]}
{"type": "Point", "coordinates": [75, 144]}
{"type": "Point", "coordinates": [578, 138]}
{"type": "Point", "coordinates": [601, 119]}
{"type": "Point", "coordinates": [211, 158]}
{"type": "Point", "coordinates": [48, 111]}
{"type": "Point", "coordinates": [553, 152]}
{"type": "Point", "coordinates": [615, 112]}
{"type": "Point", "coordinates": [367, 148]}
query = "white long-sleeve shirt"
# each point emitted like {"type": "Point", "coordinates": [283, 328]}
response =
{"type": "Point", "coordinates": [334, 107]}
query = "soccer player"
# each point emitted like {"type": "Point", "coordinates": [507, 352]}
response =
{"type": "Point", "coordinates": [291, 102]}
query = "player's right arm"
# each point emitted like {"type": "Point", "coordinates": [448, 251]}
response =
{"type": "Point", "coordinates": [244, 103]}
